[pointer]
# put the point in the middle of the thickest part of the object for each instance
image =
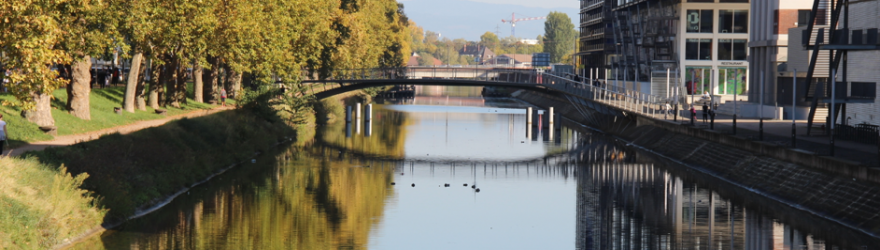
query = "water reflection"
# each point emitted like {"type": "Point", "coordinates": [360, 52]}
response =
{"type": "Point", "coordinates": [578, 191]}
{"type": "Point", "coordinates": [627, 201]}
{"type": "Point", "coordinates": [318, 204]}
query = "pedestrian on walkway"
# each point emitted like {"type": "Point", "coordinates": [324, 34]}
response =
{"type": "Point", "coordinates": [693, 114]}
{"type": "Point", "coordinates": [3, 133]}
{"type": "Point", "coordinates": [668, 109]}
{"type": "Point", "coordinates": [223, 96]}
{"type": "Point", "coordinates": [705, 113]}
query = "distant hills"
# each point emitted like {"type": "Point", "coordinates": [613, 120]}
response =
{"type": "Point", "coordinates": [468, 19]}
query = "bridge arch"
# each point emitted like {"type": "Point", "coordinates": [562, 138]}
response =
{"type": "Point", "coordinates": [351, 85]}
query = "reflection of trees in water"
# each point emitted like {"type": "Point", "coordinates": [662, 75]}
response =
{"type": "Point", "coordinates": [388, 134]}
{"type": "Point", "coordinates": [301, 203]}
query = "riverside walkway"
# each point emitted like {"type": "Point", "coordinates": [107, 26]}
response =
{"type": "Point", "coordinates": [600, 97]}
{"type": "Point", "coordinates": [67, 140]}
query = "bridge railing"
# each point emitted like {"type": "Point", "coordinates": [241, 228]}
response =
{"type": "Point", "coordinates": [628, 100]}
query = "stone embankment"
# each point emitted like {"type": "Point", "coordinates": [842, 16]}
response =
{"type": "Point", "coordinates": [836, 195]}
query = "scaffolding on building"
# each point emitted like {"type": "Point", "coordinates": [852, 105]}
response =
{"type": "Point", "coordinates": [644, 33]}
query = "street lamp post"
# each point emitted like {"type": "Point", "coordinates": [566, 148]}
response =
{"type": "Point", "coordinates": [793, 117]}
{"type": "Point", "coordinates": [761, 113]}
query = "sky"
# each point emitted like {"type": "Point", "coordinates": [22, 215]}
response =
{"type": "Point", "coordinates": [469, 19]}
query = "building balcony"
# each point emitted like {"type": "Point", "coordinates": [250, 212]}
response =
{"type": "Point", "coordinates": [593, 48]}
{"type": "Point", "coordinates": [588, 5]}
{"type": "Point", "coordinates": [592, 19]}
{"type": "Point", "coordinates": [842, 39]}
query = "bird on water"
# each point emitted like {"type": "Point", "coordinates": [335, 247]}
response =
{"type": "Point", "coordinates": [414, 185]}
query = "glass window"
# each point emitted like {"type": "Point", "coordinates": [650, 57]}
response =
{"type": "Point", "coordinates": [732, 80]}
{"type": "Point", "coordinates": [697, 80]}
{"type": "Point", "coordinates": [732, 49]}
{"type": "Point", "coordinates": [698, 49]}
{"type": "Point", "coordinates": [733, 21]}
{"type": "Point", "coordinates": [699, 21]}
{"type": "Point", "coordinates": [803, 18]}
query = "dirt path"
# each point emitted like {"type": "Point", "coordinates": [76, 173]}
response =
{"type": "Point", "coordinates": [67, 140]}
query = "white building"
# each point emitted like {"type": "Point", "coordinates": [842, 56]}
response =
{"type": "Point", "coordinates": [714, 46]}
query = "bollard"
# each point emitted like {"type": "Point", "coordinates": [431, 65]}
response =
{"type": "Point", "coordinates": [551, 116]}
{"type": "Point", "coordinates": [347, 113]}
{"type": "Point", "coordinates": [369, 112]}
{"type": "Point", "coordinates": [358, 111]}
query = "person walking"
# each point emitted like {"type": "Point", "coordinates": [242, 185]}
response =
{"type": "Point", "coordinates": [693, 114]}
{"type": "Point", "coordinates": [3, 133]}
{"type": "Point", "coordinates": [668, 109]}
{"type": "Point", "coordinates": [705, 112]}
{"type": "Point", "coordinates": [223, 96]}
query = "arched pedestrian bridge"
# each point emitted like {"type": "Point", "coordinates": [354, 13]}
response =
{"type": "Point", "coordinates": [582, 94]}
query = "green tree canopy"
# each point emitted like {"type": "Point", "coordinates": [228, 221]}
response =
{"type": "Point", "coordinates": [489, 40]}
{"type": "Point", "coordinates": [559, 36]}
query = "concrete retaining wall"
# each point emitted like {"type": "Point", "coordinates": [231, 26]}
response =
{"type": "Point", "coordinates": [842, 191]}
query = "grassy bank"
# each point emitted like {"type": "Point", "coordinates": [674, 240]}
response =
{"type": "Point", "coordinates": [134, 170]}
{"type": "Point", "coordinates": [41, 204]}
{"type": "Point", "coordinates": [102, 102]}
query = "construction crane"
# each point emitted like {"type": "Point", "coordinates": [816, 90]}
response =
{"type": "Point", "coordinates": [513, 21]}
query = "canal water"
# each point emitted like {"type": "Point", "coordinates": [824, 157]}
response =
{"type": "Point", "coordinates": [409, 177]}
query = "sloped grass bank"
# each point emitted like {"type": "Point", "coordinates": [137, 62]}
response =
{"type": "Point", "coordinates": [136, 170]}
{"type": "Point", "coordinates": [42, 205]}
{"type": "Point", "coordinates": [102, 101]}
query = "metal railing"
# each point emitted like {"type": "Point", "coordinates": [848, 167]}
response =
{"type": "Point", "coordinates": [595, 90]}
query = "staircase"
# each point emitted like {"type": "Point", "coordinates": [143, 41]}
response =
{"type": "Point", "coordinates": [727, 109]}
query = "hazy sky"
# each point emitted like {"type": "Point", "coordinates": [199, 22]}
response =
{"type": "Point", "coordinates": [471, 18]}
{"type": "Point", "coordinates": [532, 3]}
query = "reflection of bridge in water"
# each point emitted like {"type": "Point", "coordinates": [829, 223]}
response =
{"type": "Point", "coordinates": [622, 204]}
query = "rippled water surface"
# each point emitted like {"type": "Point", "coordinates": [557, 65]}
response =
{"type": "Point", "coordinates": [381, 184]}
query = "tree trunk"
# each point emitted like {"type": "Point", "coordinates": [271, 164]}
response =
{"type": "Point", "coordinates": [139, 89]}
{"type": "Point", "coordinates": [198, 85]}
{"type": "Point", "coordinates": [211, 77]}
{"type": "Point", "coordinates": [180, 91]}
{"type": "Point", "coordinates": [78, 90]}
{"type": "Point", "coordinates": [42, 112]}
{"type": "Point", "coordinates": [233, 81]}
{"type": "Point", "coordinates": [170, 77]}
{"type": "Point", "coordinates": [131, 84]}
{"type": "Point", "coordinates": [155, 85]}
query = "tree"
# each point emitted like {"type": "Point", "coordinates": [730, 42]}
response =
{"type": "Point", "coordinates": [559, 36]}
{"type": "Point", "coordinates": [37, 35]}
{"type": "Point", "coordinates": [489, 40]}
{"type": "Point", "coordinates": [425, 59]}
